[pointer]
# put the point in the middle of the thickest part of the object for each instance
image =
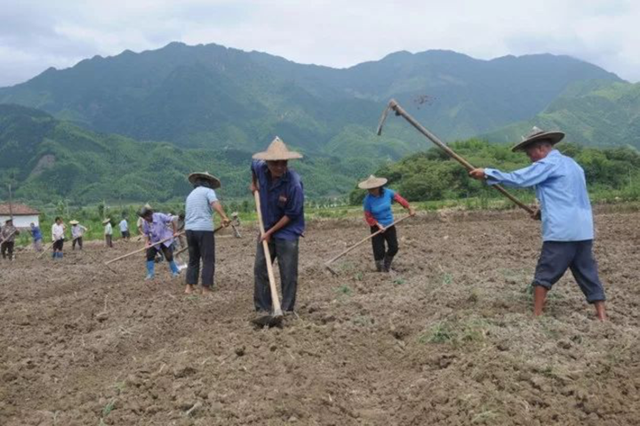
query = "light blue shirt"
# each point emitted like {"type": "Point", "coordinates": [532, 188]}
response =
{"type": "Point", "coordinates": [561, 190]}
{"type": "Point", "coordinates": [198, 211]}
{"type": "Point", "coordinates": [380, 207]}
{"type": "Point", "coordinates": [124, 226]}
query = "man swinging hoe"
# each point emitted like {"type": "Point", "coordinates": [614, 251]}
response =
{"type": "Point", "coordinates": [567, 222]}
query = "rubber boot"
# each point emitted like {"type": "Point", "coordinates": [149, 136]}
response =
{"type": "Point", "coordinates": [59, 255]}
{"type": "Point", "coordinates": [387, 263]}
{"type": "Point", "coordinates": [150, 270]}
{"type": "Point", "coordinates": [54, 255]}
{"type": "Point", "coordinates": [379, 265]}
{"type": "Point", "coordinates": [174, 269]}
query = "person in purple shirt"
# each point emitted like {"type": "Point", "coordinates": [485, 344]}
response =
{"type": "Point", "coordinates": [158, 227]}
{"type": "Point", "coordinates": [282, 207]}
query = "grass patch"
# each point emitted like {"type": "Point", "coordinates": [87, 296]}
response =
{"type": "Point", "coordinates": [456, 332]}
{"type": "Point", "coordinates": [343, 290]}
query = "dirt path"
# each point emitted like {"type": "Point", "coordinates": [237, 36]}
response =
{"type": "Point", "coordinates": [446, 340]}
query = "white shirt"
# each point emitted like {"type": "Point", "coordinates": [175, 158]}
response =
{"type": "Point", "coordinates": [57, 232]}
{"type": "Point", "coordinates": [108, 230]}
{"type": "Point", "coordinates": [124, 226]}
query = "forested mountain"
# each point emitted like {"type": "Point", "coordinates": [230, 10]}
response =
{"type": "Point", "coordinates": [590, 113]}
{"type": "Point", "coordinates": [47, 160]}
{"type": "Point", "coordinates": [213, 96]}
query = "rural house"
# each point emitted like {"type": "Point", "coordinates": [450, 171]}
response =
{"type": "Point", "coordinates": [23, 215]}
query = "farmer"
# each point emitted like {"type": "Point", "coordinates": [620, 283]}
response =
{"type": "Point", "coordinates": [8, 237]}
{"type": "Point", "coordinates": [198, 222]}
{"type": "Point", "coordinates": [282, 207]}
{"type": "Point", "coordinates": [567, 222]}
{"type": "Point", "coordinates": [108, 232]}
{"type": "Point", "coordinates": [36, 234]}
{"type": "Point", "coordinates": [154, 229]}
{"type": "Point", "coordinates": [377, 213]}
{"type": "Point", "coordinates": [124, 228]}
{"type": "Point", "coordinates": [77, 231]}
{"type": "Point", "coordinates": [57, 236]}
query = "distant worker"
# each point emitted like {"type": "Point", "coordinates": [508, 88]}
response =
{"type": "Point", "coordinates": [57, 237]}
{"type": "Point", "coordinates": [36, 234]}
{"type": "Point", "coordinates": [8, 238]}
{"type": "Point", "coordinates": [124, 228]}
{"type": "Point", "coordinates": [108, 233]}
{"type": "Point", "coordinates": [567, 221]}
{"type": "Point", "coordinates": [379, 216]}
{"type": "Point", "coordinates": [77, 232]}
{"type": "Point", "coordinates": [198, 223]}
{"type": "Point", "coordinates": [158, 238]}
{"type": "Point", "coordinates": [282, 208]}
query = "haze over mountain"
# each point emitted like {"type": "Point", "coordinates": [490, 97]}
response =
{"type": "Point", "coordinates": [209, 107]}
{"type": "Point", "coordinates": [213, 96]}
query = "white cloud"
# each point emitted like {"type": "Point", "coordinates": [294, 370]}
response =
{"type": "Point", "coordinates": [36, 34]}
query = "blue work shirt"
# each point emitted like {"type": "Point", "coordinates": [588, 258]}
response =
{"type": "Point", "coordinates": [198, 210]}
{"type": "Point", "coordinates": [35, 232]}
{"type": "Point", "coordinates": [282, 197]}
{"type": "Point", "coordinates": [380, 207]}
{"type": "Point", "coordinates": [561, 190]}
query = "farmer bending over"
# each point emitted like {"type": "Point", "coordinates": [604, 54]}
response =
{"type": "Point", "coordinates": [154, 229]}
{"type": "Point", "coordinates": [567, 222]}
{"type": "Point", "coordinates": [282, 207]}
{"type": "Point", "coordinates": [378, 214]}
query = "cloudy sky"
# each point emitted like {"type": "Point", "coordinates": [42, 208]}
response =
{"type": "Point", "coordinates": [37, 34]}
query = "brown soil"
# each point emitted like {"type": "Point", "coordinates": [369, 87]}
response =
{"type": "Point", "coordinates": [448, 339]}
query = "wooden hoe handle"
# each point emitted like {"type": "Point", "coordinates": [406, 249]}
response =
{"type": "Point", "coordinates": [277, 309]}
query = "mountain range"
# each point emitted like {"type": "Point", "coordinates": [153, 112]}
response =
{"type": "Point", "coordinates": [175, 107]}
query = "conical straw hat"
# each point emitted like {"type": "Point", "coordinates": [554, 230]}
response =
{"type": "Point", "coordinates": [372, 182]}
{"type": "Point", "coordinates": [107, 220]}
{"type": "Point", "coordinates": [73, 222]}
{"type": "Point", "coordinates": [277, 151]}
{"type": "Point", "coordinates": [536, 135]}
{"type": "Point", "coordinates": [215, 182]}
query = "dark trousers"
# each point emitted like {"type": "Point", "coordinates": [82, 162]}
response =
{"type": "Point", "coordinates": [7, 246]}
{"type": "Point", "coordinates": [152, 251]}
{"type": "Point", "coordinates": [286, 251]}
{"type": "Point", "coordinates": [57, 246]}
{"type": "Point", "coordinates": [76, 241]}
{"type": "Point", "coordinates": [202, 245]}
{"type": "Point", "coordinates": [558, 256]}
{"type": "Point", "coordinates": [377, 242]}
{"type": "Point", "coordinates": [108, 239]}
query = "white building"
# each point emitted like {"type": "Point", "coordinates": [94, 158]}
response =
{"type": "Point", "coordinates": [23, 216]}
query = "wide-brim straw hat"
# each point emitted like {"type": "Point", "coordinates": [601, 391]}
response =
{"type": "Point", "coordinates": [104, 222]}
{"type": "Point", "coordinates": [215, 182]}
{"type": "Point", "coordinates": [537, 135]}
{"type": "Point", "coordinates": [277, 150]}
{"type": "Point", "coordinates": [372, 182]}
{"type": "Point", "coordinates": [73, 222]}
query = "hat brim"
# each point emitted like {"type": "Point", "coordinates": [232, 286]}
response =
{"type": "Point", "coordinates": [104, 222]}
{"type": "Point", "coordinates": [552, 137]}
{"type": "Point", "coordinates": [373, 183]}
{"type": "Point", "coordinates": [215, 182]}
{"type": "Point", "coordinates": [270, 156]}
{"type": "Point", "coordinates": [74, 222]}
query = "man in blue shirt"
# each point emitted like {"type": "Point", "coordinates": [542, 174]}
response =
{"type": "Point", "coordinates": [565, 209]}
{"type": "Point", "coordinates": [198, 220]}
{"type": "Point", "coordinates": [282, 207]}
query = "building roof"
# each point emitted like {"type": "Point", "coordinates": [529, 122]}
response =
{"type": "Point", "coordinates": [18, 210]}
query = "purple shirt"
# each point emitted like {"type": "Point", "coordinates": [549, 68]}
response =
{"type": "Point", "coordinates": [159, 229]}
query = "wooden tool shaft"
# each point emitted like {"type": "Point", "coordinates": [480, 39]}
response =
{"type": "Point", "coordinates": [142, 249]}
{"type": "Point", "coordinates": [364, 240]}
{"type": "Point", "coordinates": [277, 309]}
{"type": "Point", "coordinates": [433, 138]}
